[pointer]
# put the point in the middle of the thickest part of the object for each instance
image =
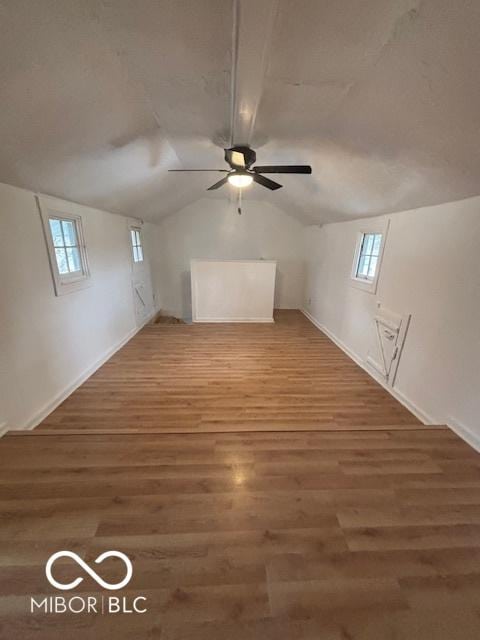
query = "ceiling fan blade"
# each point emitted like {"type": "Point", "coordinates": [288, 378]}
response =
{"type": "Point", "coordinates": [177, 170]}
{"type": "Point", "coordinates": [218, 184]}
{"type": "Point", "coordinates": [288, 168]}
{"type": "Point", "coordinates": [266, 182]}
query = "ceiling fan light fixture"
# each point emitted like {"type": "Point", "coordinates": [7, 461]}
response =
{"type": "Point", "coordinates": [240, 179]}
{"type": "Point", "coordinates": [241, 173]}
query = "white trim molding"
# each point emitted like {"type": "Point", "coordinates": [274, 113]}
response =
{"type": "Point", "coordinates": [380, 227]}
{"type": "Point", "coordinates": [398, 395]}
{"type": "Point", "coordinates": [466, 434]}
{"type": "Point", "coordinates": [68, 283]}
{"type": "Point", "coordinates": [42, 413]}
{"type": "Point", "coordinates": [233, 320]}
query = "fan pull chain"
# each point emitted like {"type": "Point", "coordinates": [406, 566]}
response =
{"type": "Point", "coordinates": [239, 207]}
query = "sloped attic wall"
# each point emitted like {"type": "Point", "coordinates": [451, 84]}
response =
{"type": "Point", "coordinates": [50, 344]}
{"type": "Point", "coordinates": [430, 270]}
{"type": "Point", "coordinates": [213, 229]}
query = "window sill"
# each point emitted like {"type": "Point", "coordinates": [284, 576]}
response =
{"type": "Point", "coordinates": [69, 286]}
{"type": "Point", "coordinates": [369, 286]}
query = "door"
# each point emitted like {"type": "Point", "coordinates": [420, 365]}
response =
{"type": "Point", "coordinates": [391, 331]}
{"type": "Point", "coordinates": [141, 279]}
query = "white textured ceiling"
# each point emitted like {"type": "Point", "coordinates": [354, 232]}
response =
{"type": "Point", "coordinates": [382, 97]}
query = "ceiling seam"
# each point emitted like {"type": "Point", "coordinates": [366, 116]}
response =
{"type": "Point", "coordinates": [264, 61]}
{"type": "Point", "coordinates": [233, 77]}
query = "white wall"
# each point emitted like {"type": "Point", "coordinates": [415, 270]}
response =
{"type": "Point", "coordinates": [213, 229]}
{"type": "Point", "coordinates": [431, 269]}
{"type": "Point", "coordinates": [233, 290]}
{"type": "Point", "coordinates": [48, 343]}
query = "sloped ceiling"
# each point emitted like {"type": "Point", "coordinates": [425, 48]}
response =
{"type": "Point", "coordinates": [100, 98]}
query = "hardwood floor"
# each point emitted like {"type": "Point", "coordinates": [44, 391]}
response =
{"type": "Point", "coordinates": [345, 535]}
{"type": "Point", "coordinates": [230, 377]}
{"type": "Point", "coordinates": [263, 486]}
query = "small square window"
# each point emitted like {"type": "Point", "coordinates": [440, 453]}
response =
{"type": "Point", "coordinates": [137, 248]}
{"type": "Point", "coordinates": [66, 250]}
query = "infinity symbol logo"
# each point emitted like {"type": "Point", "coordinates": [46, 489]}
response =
{"type": "Point", "coordinates": [87, 569]}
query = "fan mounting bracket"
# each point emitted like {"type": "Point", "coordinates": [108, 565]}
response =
{"type": "Point", "coordinates": [240, 157]}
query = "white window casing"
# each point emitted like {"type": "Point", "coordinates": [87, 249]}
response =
{"type": "Point", "coordinates": [137, 247]}
{"type": "Point", "coordinates": [66, 248]}
{"type": "Point", "coordinates": [368, 256]}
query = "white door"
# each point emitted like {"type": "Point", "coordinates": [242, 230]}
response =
{"type": "Point", "coordinates": [141, 279]}
{"type": "Point", "coordinates": [391, 331]}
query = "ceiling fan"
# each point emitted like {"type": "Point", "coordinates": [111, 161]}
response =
{"type": "Point", "coordinates": [241, 173]}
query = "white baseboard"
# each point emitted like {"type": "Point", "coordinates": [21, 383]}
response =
{"type": "Point", "coordinates": [233, 320]}
{"type": "Point", "coordinates": [473, 439]}
{"type": "Point", "coordinates": [398, 395]}
{"type": "Point", "coordinates": [42, 413]}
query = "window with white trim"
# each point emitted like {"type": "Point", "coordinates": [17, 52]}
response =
{"type": "Point", "coordinates": [137, 248]}
{"type": "Point", "coordinates": [67, 247]}
{"type": "Point", "coordinates": [368, 256]}
{"type": "Point", "coordinates": [66, 251]}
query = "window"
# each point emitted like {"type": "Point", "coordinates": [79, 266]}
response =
{"type": "Point", "coordinates": [67, 247]}
{"type": "Point", "coordinates": [66, 250]}
{"type": "Point", "coordinates": [136, 244]}
{"type": "Point", "coordinates": [368, 256]}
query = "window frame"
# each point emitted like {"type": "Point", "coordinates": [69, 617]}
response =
{"type": "Point", "coordinates": [370, 254]}
{"type": "Point", "coordinates": [368, 284]}
{"type": "Point", "coordinates": [138, 231]}
{"type": "Point", "coordinates": [66, 282]}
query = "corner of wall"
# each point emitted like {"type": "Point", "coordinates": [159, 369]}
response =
{"type": "Point", "coordinates": [42, 413]}
{"type": "Point", "coordinates": [398, 395]}
{"type": "Point", "coordinates": [465, 433]}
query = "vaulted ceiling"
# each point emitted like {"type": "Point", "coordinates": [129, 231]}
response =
{"type": "Point", "coordinates": [381, 97]}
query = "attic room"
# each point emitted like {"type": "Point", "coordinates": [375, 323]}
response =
{"type": "Point", "coordinates": [239, 319]}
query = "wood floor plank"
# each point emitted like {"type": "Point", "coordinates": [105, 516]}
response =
{"type": "Point", "coordinates": [298, 533]}
{"type": "Point", "coordinates": [231, 377]}
{"type": "Point", "coordinates": [302, 599]}
{"type": "Point", "coordinates": [305, 523]}
{"type": "Point", "coordinates": [413, 537]}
